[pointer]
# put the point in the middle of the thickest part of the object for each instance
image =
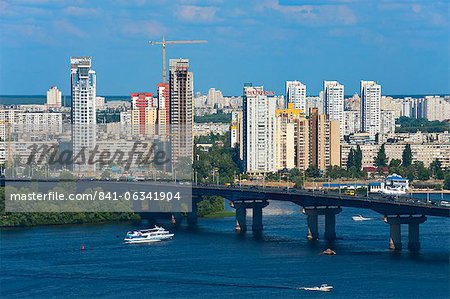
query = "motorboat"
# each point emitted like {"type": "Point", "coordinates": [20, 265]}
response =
{"type": "Point", "coordinates": [155, 234]}
{"type": "Point", "coordinates": [394, 191]}
{"type": "Point", "coordinates": [323, 288]}
{"type": "Point", "coordinates": [360, 218]}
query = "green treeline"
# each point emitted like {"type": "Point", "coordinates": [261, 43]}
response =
{"type": "Point", "coordinates": [8, 219]}
{"type": "Point", "coordinates": [412, 125]}
{"type": "Point", "coordinates": [214, 118]}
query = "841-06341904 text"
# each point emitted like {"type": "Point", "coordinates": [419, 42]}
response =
{"type": "Point", "coordinates": [97, 195]}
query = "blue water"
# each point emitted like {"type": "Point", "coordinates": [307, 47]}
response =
{"type": "Point", "coordinates": [214, 262]}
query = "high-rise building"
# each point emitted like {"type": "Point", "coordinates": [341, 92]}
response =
{"type": "Point", "coordinates": [333, 95]}
{"type": "Point", "coordinates": [143, 114]}
{"type": "Point", "coordinates": [370, 108]}
{"type": "Point", "coordinates": [236, 132]}
{"type": "Point", "coordinates": [53, 97]}
{"type": "Point", "coordinates": [83, 112]}
{"type": "Point", "coordinates": [418, 108]}
{"type": "Point", "coordinates": [437, 108]}
{"type": "Point", "coordinates": [292, 146]}
{"type": "Point", "coordinates": [387, 120]}
{"type": "Point", "coordinates": [352, 122]}
{"type": "Point", "coordinates": [163, 109]}
{"type": "Point", "coordinates": [215, 98]}
{"type": "Point", "coordinates": [181, 108]}
{"type": "Point", "coordinates": [324, 141]}
{"type": "Point", "coordinates": [259, 130]}
{"type": "Point", "coordinates": [296, 94]}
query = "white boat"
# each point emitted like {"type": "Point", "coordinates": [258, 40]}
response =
{"type": "Point", "coordinates": [323, 288]}
{"type": "Point", "coordinates": [155, 234]}
{"type": "Point", "coordinates": [394, 191]}
{"type": "Point", "coordinates": [360, 218]}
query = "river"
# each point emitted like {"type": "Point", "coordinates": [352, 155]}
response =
{"type": "Point", "coordinates": [212, 261]}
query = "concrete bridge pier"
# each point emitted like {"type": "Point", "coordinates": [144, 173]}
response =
{"type": "Point", "coordinates": [312, 214]}
{"type": "Point", "coordinates": [241, 215]}
{"type": "Point", "coordinates": [257, 224]}
{"type": "Point", "coordinates": [313, 227]}
{"type": "Point", "coordinates": [395, 240]}
{"type": "Point", "coordinates": [192, 216]}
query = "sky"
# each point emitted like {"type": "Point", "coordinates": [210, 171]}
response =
{"type": "Point", "coordinates": [403, 45]}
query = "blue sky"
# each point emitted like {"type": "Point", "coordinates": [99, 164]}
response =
{"type": "Point", "coordinates": [404, 45]}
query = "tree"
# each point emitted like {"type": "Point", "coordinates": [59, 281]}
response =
{"type": "Point", "coordinates": [358, 158]}
{"type": "Point", "coordinates": [395, 163]}
{"type": "Point", "coordinates": [351, 158]}
{"type": "Point", "coordinates": [447, 182]}
{"type": "Point", "coordinates": [407, 156]}
{"type": "Point", "coordinates": [420, 171]}
{"type": "Point", "coordinates": [436, 169]}
{"type": "Point", "coordinates": [381, 159]}
{"type": "Point", "coordinates": [313, 172]}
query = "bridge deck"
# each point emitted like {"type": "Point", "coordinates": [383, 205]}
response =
{"type": "Point", "coordinates": [385, 206]}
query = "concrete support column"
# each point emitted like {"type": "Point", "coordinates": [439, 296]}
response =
{"type": "Point", "coordinates": [413, 223]}
{"type": "Point", "coordinates": [257, 225]}
{"type": "Point", "coordinates": [313, 227]}
{"type": "Point", "coordinates": [413, 235]}
{"type": "Point", "coordinates": [241, 217]}
{"type": "Point", "coordinates": [395, 240]}
{"type": "Point", "coordinates": [312, 214]}
{"type": "Point", "coordinates": [330, 226]}
{"type": "Point", "coordinates": [192, 216]}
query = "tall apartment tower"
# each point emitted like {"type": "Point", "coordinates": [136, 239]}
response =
{"type": "Point", "coordinates": [181, 83]}
{"type": "Point", "coordinates": [333, 95]}
{"type": "Point", "coordinates": [53, 97]}
{"type": "Point", "coordinates": [163, 109]}
{"type": "Point", "coordinates": [370, 108]}
{"type": "Point", "coordinates": [259, 125]}
{"type": "Point", "coordinates": [324, 141]}
{"type": "Point", "coordinates": [83, 112]}
{"type": "Point", "coordinates": [143, 114]}
{"type": "Point", "coordinates": [292, 140]}
{"type": "Point", "coordinates": [236, 136]}
{"type": "Point", "coordinates": [296, 94]}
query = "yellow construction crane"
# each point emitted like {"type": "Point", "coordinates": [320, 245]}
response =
{"type": "Point", "coordinates": [165, 42]}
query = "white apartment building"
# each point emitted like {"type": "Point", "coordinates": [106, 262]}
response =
{"type": "Point", "coordinates": [259, 128]}
{"type": "Point", "coordinates": [426, 153]}
{"type": "Point", "coordinates": [296, 94]}
{"type": "Point", "coordinates": [215, 98]}
{"type": "Point", "coordinates": [437, 108]}
{"type": "Point", "coordinates": [53, 97]}
{"type": "Point", "coordinates": [84, 87]}
{"type": "Point", "coordinates": [352, 122]}
{"type": "Point", "coordinates": [333, 95]}
{"type": "Point", "coordinates": [19, 125]}
{"type": "Point", "coordinates": [392, 104]}
{"type": "Point", "coordinates": [387, 118]}
{"type": "Point", "coordinates": [370, 108]}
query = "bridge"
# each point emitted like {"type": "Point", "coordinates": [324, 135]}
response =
{"type": "Point", "coordinates": [396, 211]}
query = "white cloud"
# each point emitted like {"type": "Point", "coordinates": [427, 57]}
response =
{"type": "Point", "coordinates": [143, 28]}
{"type": "Point", "coordinates": [80, 11]}
{"type": "Point", "coordinates": [66, 27]}
{"type": "Point", "coordinates": [192, 13]}
{"type": "Point", "coordinates": [315, 15]}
